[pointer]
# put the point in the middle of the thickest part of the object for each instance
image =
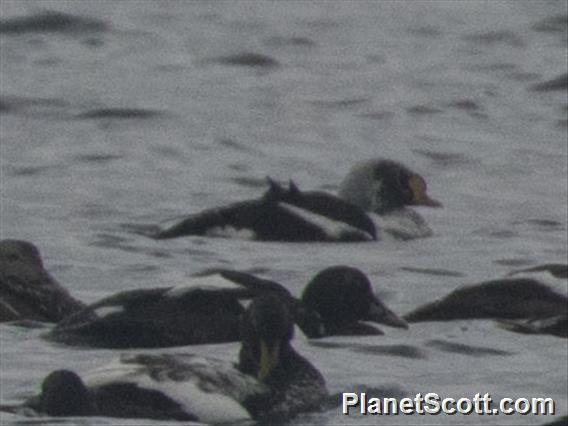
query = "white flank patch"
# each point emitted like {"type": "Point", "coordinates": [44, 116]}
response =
{"type": "Point", "coordinates": [403, 223]}
{"type": "Point", "coordinates": [245, 303]}
{"type": "Point", "coordinates": [209, 407]}
{"type": "Point", "coordinates": [196, 389]}
{"type": "Point", "coordinates": [333, 229]}
{"type": "Point", "coordinates": [113, 372]}
{"type": "Point", "coordinates": [299, 334]}
{"type": "Point", "coordinates": [231, 232]}
{"type": "Point", "coordinates": [105, 311]}
{"type": "Point", "coordinates": [209, 282]}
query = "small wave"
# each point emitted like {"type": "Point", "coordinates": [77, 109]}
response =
{"type": "Point", "coordinates": [507, 38]}
{"type": "Point", "coordinates": [552, 24]}
{"type": "Point", "coordinates": [250, 182]}
{"type": "Point", "coordinates": [341, 103]}
{"type": "Point", "coordinates": [423, 110]}
{"type": "Point", "coordinates": [426, 31]}
{"type": "Point", "coordinates": [96, 158]}
{"type": "Point", "coordinates": [432, 271]}
{"type": "Point", "coordinates": [378, 115]}
{"type": "Point", "coordinates": [463, 349]}
{"type": "Point", "coordinates": [51, 22]}
{"type": "Point", "coordinates": [465, 105]}
{"type": "Point", "coordinates": [119, 114]}
{"type": "Point", "coordinates": [280, 41]}
{"type": "Point", "coordinates": [557, 83]}
{"type": "Point", "coordinates": [512, 262]}
{"type": "Point", "coordinates": [30, 170]}
{"type": "Point", "coordinates": [404, 351]}
{"type": "Point", "coordinates": [247, 59]}
{"type": "Point", "coordinates": [31, 105]}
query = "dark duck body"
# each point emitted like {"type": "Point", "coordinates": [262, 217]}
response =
{"type": "Point", "coordinates": [282, 214]}
{"type": "Point", "coordinates": [27, 290]}
{"type": "Point", "coordinates": [206, 310]}
{"type": "Point", "coordinates": [383, 188]}
{"type": "Point", "coordinates": [540, 309]}
{"type": "Point", "coordinates": [334, 302]}
{"type": "Point", "coordinates": [271, 381]}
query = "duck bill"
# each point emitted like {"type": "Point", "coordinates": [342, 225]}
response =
{"type": "Point", "coordinates": [269, 359]}
{"type": "Point", "coordinates": [425, 200]}
{"type": "Point", "coordinates": [379, 313]}
{"type": "Point", "coordinates": [420, 196]}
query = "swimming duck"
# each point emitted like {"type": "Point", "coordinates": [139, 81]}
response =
{"type": "Point", "coordinates": [207, 310]}
{"type": "Point", "coordinates": [271, 380]}
{"type": "Point", "coordinates": [509, 298]}
{"type": "Point", "coordinates": [379, 186]}
{"type": "Point", "coordinates": [27, 290]}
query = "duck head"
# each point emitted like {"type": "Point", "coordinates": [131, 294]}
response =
{"type": "Point", "coordinates": [343, 296]}
{"type": "Point", "coordinates": [63, 393]}
{"type": "Point", "coordinates": [267, 327]}
{"type": "Point", "coordinates": [382, 186]}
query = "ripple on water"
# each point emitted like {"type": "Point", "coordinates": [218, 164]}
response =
{"type": "Point", "coordinates": [250, 182]}
{"type": "Point", "coordinates": [51, 22]}
{"type": "Point", "coordinates": [515, 262]}
{"type": "Point", "coordinates": [491, 38]}
{"type": "Point", "coordinates": [97, 158]}
{"type": "Point", "coordinates": [294, 41]}
{"type": "Point", "coordinates": [552, 24]}
{"type": "Point", "coordinates": [463, 349]}
{"type": "Point", "coordinates": [247, 59]}
{"type": "Point", "coordinates": [554, 84]}
{"type": "Point", "coordinates": [41, 107]}
{"type": "Point", "coordinates": [432, 271]}
{"type": "Point", "coordinates": [340, 103]}
{"type": "Point", "coordinates": [233, 144]}
{"type": "Point", "coordinates": [121, 243]}
{"type": "Point", "coordinates": [403, 351]}
{"type": "Point", "coordinates": [423, 110]}
{"type": "Point", "coordinates": [120, 114]}
{"type": "Point", "coordinates": [31, 170]}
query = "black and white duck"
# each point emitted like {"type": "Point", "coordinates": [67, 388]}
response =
{"type": "Point", "coordinates": [383, 187]}
{"type": "Point", "coordinates": [271, 381]}
{"type": "Point", "coordinates": [208, 308]}
{"type": "Point", "coordinates": [522, 304]}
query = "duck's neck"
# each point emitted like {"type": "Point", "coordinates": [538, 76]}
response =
{"type": "Point", "coordinates": [249, 362]}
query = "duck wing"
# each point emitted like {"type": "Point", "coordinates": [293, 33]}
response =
{"type": "Point", "coordinates": [158, 317]}
{"type": "Point", "coordinates": [206, 389]}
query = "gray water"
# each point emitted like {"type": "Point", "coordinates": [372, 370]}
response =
{"type": "Point", "coordinates": [447, 88]}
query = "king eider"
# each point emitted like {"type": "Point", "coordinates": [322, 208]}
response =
{"type": "Point", "coordinates": [382, 187]}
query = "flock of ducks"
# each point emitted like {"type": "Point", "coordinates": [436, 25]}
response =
{"type": "Point", "coordinates": [270, 380]}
